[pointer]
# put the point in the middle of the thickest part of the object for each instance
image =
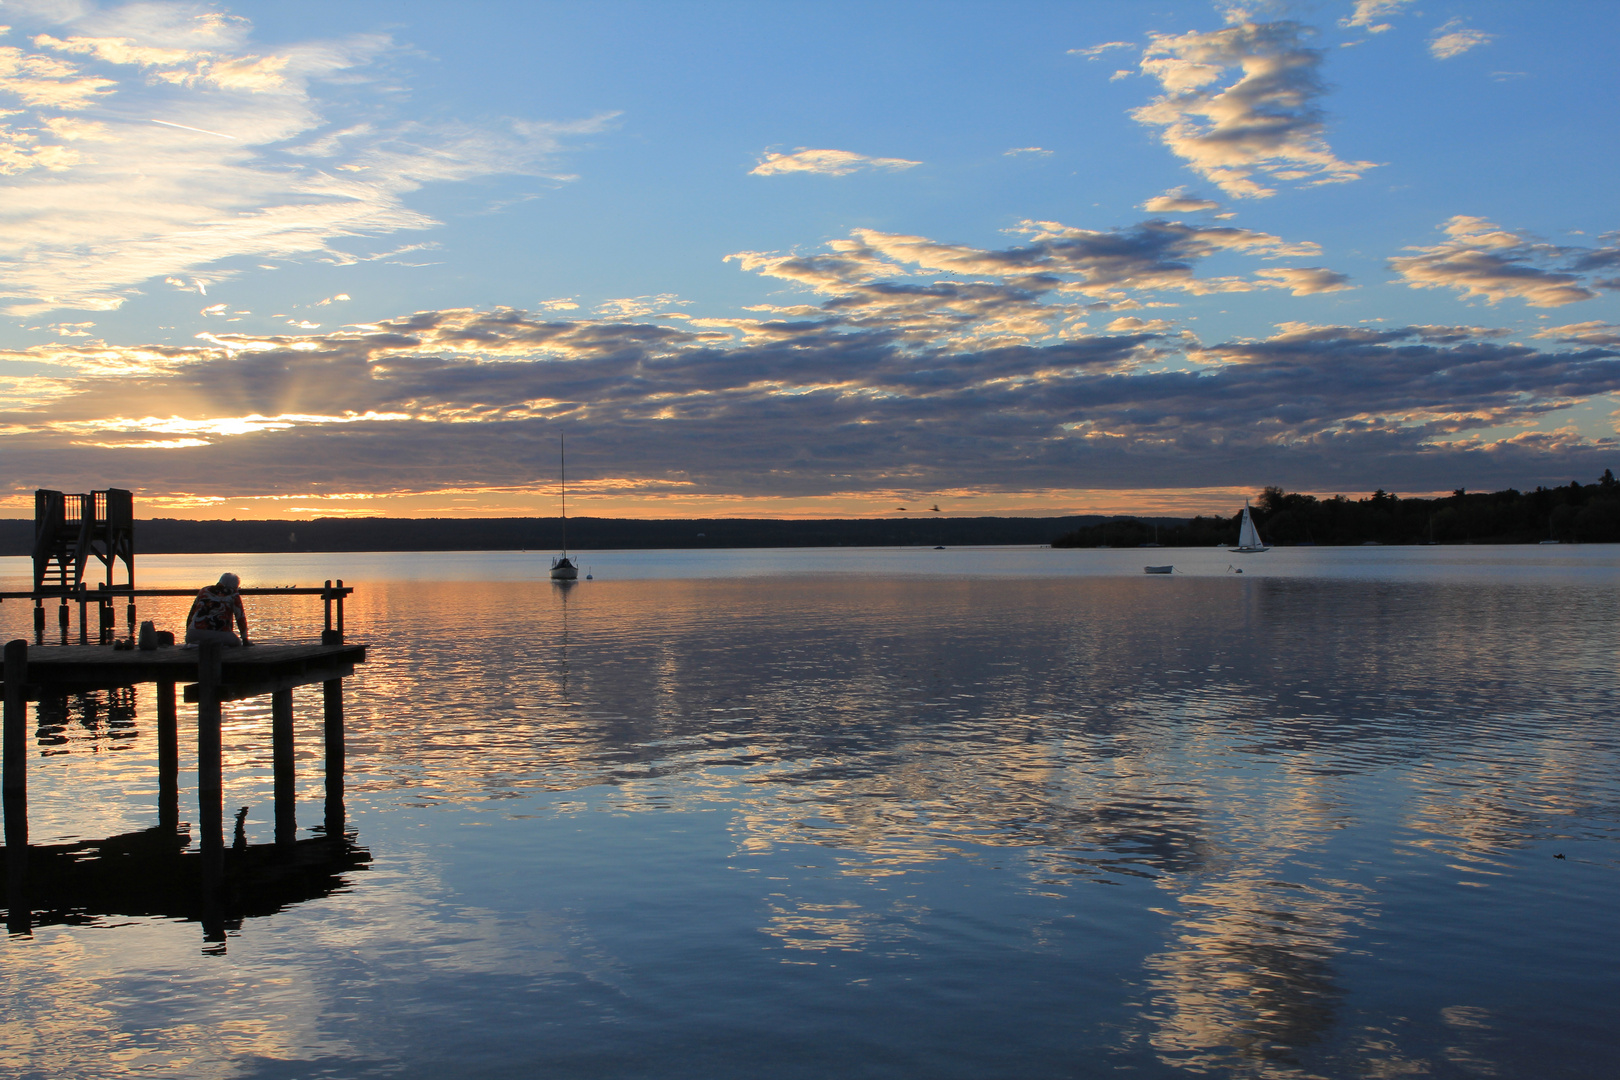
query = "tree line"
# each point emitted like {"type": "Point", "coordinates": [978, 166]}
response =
{"type": "Point", "coordinates": [1576, 514]}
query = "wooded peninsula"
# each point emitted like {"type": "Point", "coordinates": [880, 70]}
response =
{"type": "Point", "coordinates": [1578, 513]}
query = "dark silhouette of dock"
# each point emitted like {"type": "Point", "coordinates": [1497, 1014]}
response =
{"type": "Point", "coordinates": [151, 871]}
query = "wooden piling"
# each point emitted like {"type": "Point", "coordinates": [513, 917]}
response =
{"type": "Point", "coordinates": [281, 741]}
{"type": "Point", "coordinates": [14, 787]}
{"type": "Point", "coordinates": [210, 760]}
{"type": "Point", "coordinates": [15, 737]}
{"type": "Point", "coordinates": [332, 694]}
{"type": "Point", "coordinates": [168, 740]}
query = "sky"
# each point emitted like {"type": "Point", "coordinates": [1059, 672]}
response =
{"type": "Point", "coordinates": [803, 259]}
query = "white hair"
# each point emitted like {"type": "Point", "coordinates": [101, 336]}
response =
{"type": "Point", "coordinates": [230, 582]}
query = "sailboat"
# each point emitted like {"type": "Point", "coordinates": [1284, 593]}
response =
{"type": "Point", "coordinates": [561, 568]}
{"type": "Point", "coordinates": [1248, 535]}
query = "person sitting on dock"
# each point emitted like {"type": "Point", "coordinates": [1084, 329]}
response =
{"type": "Point", "coordinates": [213, 612]}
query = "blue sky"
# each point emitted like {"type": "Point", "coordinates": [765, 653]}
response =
{"type": "Point", "coordinates": [811, 259]}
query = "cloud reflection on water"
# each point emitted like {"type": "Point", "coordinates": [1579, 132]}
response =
{"type": "Point", "coordinates": [1222, 795]}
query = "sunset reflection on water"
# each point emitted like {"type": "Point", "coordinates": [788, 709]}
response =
{"type": "Point", "coordinates": [795, 823]}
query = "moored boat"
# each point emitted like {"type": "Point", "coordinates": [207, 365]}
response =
{"type": "Point", "coordinates": [562, 568]}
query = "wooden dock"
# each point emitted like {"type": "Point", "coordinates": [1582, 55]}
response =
{"type": "Point", "coordinates": [207, 676]}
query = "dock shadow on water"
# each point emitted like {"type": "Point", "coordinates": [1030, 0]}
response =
{"type": "Point", "coordinates": [847, 824]}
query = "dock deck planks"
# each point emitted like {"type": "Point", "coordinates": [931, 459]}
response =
{"type": "Point", "coordinates": [70, 667]}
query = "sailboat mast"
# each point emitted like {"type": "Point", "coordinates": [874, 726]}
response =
{"type": "Point", "coordinates": [562, 473]}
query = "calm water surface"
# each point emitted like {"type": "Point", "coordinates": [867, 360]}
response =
{"type": "Point", "coordinates": [884, 813]}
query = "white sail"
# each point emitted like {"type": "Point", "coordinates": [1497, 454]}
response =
{"type": "Point", "coordinates": [1248, 535]}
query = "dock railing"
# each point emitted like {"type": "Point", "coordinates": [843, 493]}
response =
{"type": "Point", "coordinates": [105, 599]}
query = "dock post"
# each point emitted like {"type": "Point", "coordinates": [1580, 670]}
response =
{"type": "Point", "coordinates": [19, 915]}
{"type": "Point", "coordinates": [39, 620]}
{"type": "Point", "coordinates": [333, 699]}
{"type": "Point", "coordinates": [340, 611]}
{"type": "Point", "coordinates": [168, 739]}
{"type": "Point", "coordinates": [210, 759]}
{"type": "Point", "coordinates": [326, 605]}
{"type": "Point", "coordinates": [84, 627]}
{"type": "Point", "coordinates": [63, 619]}
{"type": "Point", "coordinates": [281, 742]}
{"type": "Point", "coordinates": [15, 747]}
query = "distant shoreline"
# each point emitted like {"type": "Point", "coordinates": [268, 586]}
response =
{"type": "Point", "coordinates": [171, 536]}
{"type": "Point", "coordinates": [163, 536]}
{"type": "Point", "coordinates": [1578, 513]}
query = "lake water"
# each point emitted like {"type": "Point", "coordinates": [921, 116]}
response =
{"type": "Point", "coordinates": [885, 813]}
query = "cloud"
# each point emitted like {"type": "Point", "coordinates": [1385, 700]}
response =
{"type": "Point", "coordinates": [1305, 280]}
{"type": "Point", "coordinates": [1482, 259]}
{"type": "Point", "coordinates": [825, 163]}
{"type": "Point", "coordinates": [472, 399]}
{"type": "Point", "coordinates": [1454, 39]}
{"type": "Point", "coordinates": [1177, 201]}
{"type": "Point", "coordinates": [1097, 50]}
{"type": "Point", "coordinates": [1130, 324]}
{"type": "Point", "coordinates": [203, 150]}
{"type": "Point", "coordinates": [1032, 291]}
{"type": "Point", "coordinates": [1026, 150]}
{"type": "Point", "coordinates": [1586, 333]}
{"type": "Point", "coordinates": [1367, 12]}
{"type": "Point", "coordinates": [1264, 124]}
{"type": "Point", "coordinates": [636, 307]}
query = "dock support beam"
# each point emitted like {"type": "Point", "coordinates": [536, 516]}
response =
{"type": "Point", "coordinates": [15, 769]}
{"type": "Point", "coordinates": [168, 740]}
{"type": "Point", "coordinates": [210, 761]}
{"type": "Point", "coordinates": [281, 743]}
{"type": "Point", "coordinates": [333, 699]}
{"type": "Point", "coordinates": [14, 740]}
{"type": "Point", "coordinates": [210, 789]}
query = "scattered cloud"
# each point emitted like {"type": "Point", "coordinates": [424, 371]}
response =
{"type": "Point", "coordinates": [1027, 150]}
{"type": "Point", "coordinates": [1454, 39]}
{"type": "Point", "coordinates": [1480, 258]}
{"type": "Point", "coordinates": [1264, 125]}
{"type": "Point", "coordinates": [825, 163]}
{"type": "Point", "coordinates": [72, 329]}
{"type": "Point", "coordinates": [1586, 333]}
{"type": "Point", "coordinates": [1367, 13]}
{"type": "Point", "coordinates": [1305, 280]}
{"type": "Point", "coordinates": [1097, 50]}
{"type": "Point", "coordinates": [203, 149]}
{"type": "Point", "coordinates": [636, 307]}
{"type": "Point", "coordinates": [1035, 290]}
{"type": "Point", "coordinates": [1130, 324]}
{"type": "Point", "coordinates": [1177, 201]}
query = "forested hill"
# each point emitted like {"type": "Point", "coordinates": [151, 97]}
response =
{"type": "Point", "coordinates": [1579, 513]}
{"type": "Point", "coordinates": [162, 535]}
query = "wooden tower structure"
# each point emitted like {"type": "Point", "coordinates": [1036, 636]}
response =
{"type": "Point", "coordinates": [70, 530]}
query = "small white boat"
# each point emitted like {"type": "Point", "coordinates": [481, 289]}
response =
{"type": "Point", "coordinates": [1248, 536]}
{"type": "Point", "coordinates": [1158, 569]}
